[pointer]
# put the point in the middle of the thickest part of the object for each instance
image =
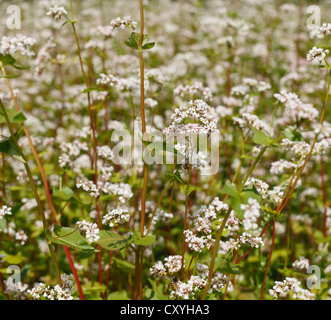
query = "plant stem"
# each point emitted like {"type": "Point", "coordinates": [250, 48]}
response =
{"type": "Point", "coordinates": [48, 193]}
{"type": "Point", "coordinates": [220, 231]}
{"type": "Point", "coordinates": [93, 127]}
{"type": "Point", "coordinates": [271, 250]}
{"type": "Point", "coordinates": [34, 190]}
{"type": "Point", "coordinates": [138, 263]}
{"type": "Point", "coordinates": [185, 220]}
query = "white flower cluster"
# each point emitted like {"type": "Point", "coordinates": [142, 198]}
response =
{"type": "Point", "coordinates": [251, 214]}
{"type": "Point", "coordinates": [115, 217]}
{"type": "Point", "coordinates": [158, 269]}
{"type": "Point", "coordinates": [70, 151]}
{"type": "Point", "coordinates": [317, 55]}
{"type": "Point", "coordinates": [19, 44]}
{"type": "Point", "coordinates": [325, 29]}
{"type": "Point", "coordinates": [301, 264]}
{"type": "Point", "coordinates": [122, 190]}
{"type": "Point", "coordinates": [5, 211]}
{"type": "Point", "coordinates": [188, 290]}
{"type": "Point", "coordinates": [193, 90]}
{"type": "Point", "coordinates": [57, 12]}
{"type": "Point", "coordinates": [243, 239]}
{"type": "Point", "coordinates": [323, 131]}
{"type": "Point", "coordinates": [216, 206]}
{"type": "Point", "coordinates": [302, 148]}
{"type": "Point", "coordinates": [192, 157]}
{"type": "Point", "coordinates": [21, 236]}
{"type": "Point", "coordinates": [218, 282]}
{"type": "Point", "coordinates": [105, 31]}
{"type": "Point", "coordinates": [105, 152]}
{"type": "Point", "coordinates": [126, 22]}
{"type": "Point", "coordinates": [224, 112]}
{"type": "Point", "coordinates": [239, 90]}
{"type": "Point", "coordinates": [247, 120]}
{"type": "Point", "coordinates": [88, 186]}
{"type": "Point", "coordinates": [281, 289]}
{"type": "Point", "coordinates": [278, 167]}
{"type": "Point", "coordinates": [91, 230]}
{"type": "Point", "coordinates": [151, 102]}
{"type": "Point", "coordinates": [198, 110]}
{"type": "Point", "coordinates": [295, 109]}
{"type": "Point", "coordinates": [44, 292]}
{"type": "Point", "coordinates": [173, 264]}
{"type": "Point", "coordinates": [262, 188]}
{"type": "Point", "coordinates": [232, 223]}
{"type": "Point", "coordinates": [162, 217]}
{"type": "Point", "coordinates": [67, 282]}
{"type": "Point", "coordinates": [128, 84]}
{"type": "Point", "coordinates": [196, 243]}
{"type": "Point", "coordinates": [17, 290]}
{"type": "Point", "coordinates": [170, 266]}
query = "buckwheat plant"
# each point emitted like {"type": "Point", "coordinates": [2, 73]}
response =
{"type": "Point", "coordinates": [165, 150]}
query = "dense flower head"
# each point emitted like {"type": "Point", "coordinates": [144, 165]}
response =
{"type": "Point", "coordinates": [57, 12]}
{"type": "Point", "coordinates": [20, 44]}
{"type": "Point", "coordinates": [91, 230]}
{"type": "Point", "coordinates": [317, 55]}
{"type": "Point", "coordinates": [205, 119]}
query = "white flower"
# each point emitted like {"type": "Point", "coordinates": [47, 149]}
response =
{"type": "Point", "coordinates": [126, 22]}
{"type": "Point", "coordinates": [325, 29]}
{"type": "Point", "coordinates": [57, 12]}
{"type": "Point", "coordinates": [251, 214]}
{"type": "Point", "coordinates": [5, 211]}
{"type": "Point", "coordinates": [19, 44]}
{"type": "Point", "coordinates": [115, 217]}
{"type": "Point", "coordinates": [173, 264]}
{"type": "Point", "coordinates": [317, 55]}
{"type": "Point", "coordinates": [91, 229]}
{"type": "Point", "coordinates": [90, 187]}
{"type": "Point", "coordinates": [302, 263]}
{"type": "Point", "coordinates": [21, 236]}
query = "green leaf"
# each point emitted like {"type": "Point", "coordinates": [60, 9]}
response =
{"type": "Point", "coordinates": [112, 241]}
{"type": "Point", "coordinates": [65, 194]}
{"type": "Point", "coordinates": [261, 138]}
{"type": "Point", "coordinates": [8, 60]}
{"type": "Point", "coordinates": [176, 176]}
{"type": "Point", "coordinates": [12, 76]}
{"type": "Point", "coordinates": [71, 238]}
{"type": "Point", "coordinates": [8, 147]}
{"type": "Point", "coordinates": [187, 191]}
{"type": "Point", "coordinates": [236, 206]}
{"type": "Point", "coordinates": [123, 264]}
{"type": "Point", "coordinates": [293, 135]}
{"type": "Point", "coordinates": [225, 268]}
{"type": "Point", "coordinates": [148, 46]}
{"type": "Point", "coordinates": [13, 115]}
{"type": "Point", "coordinates": [143, 241]}
{"type": "Point", "coordinates": [11, 259]}
{"type": "Point", "coordinates": [250, 193]}
{"type": "Point", "coordinates": [230, 189]}
{"type": "Point", "coordinates": [133, 41]}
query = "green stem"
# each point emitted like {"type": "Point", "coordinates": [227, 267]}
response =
{"type": "Point", "coordinates": [34, 189]}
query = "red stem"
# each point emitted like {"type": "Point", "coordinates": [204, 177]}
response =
{"type": "Point", "coordinates": [246, 253]}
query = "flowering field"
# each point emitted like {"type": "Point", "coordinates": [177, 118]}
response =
{"type": "Point", "coordinates": [165, 150]}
